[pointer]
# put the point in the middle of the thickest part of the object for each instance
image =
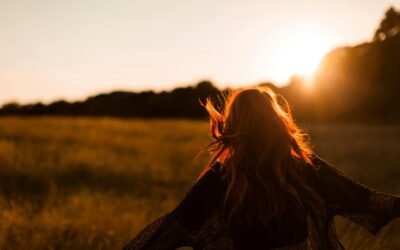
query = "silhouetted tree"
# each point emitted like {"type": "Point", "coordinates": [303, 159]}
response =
{"type": "Point", "coordinates": [10, 108]}
{"type": "Point", "coordinates": [389, 26]}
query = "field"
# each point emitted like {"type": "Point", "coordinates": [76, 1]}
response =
{"type": "Point", "coordinates": [92, 183]}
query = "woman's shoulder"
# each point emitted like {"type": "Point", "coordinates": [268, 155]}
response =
{"type": "Point", "coordinates": [324, 169]}
{"type": "Point", "coordinates": [319, 166]}
{"type": "Point", "coordinates": [319, 162]}
{"type": "Point", "coordinates": [212, 176]}
{"type": "Point", "coordinates": [218, 167]}
{"type": "Point", "coordinates": [214, 170]}
{"type": "Point", "coordinates": [317, 171]}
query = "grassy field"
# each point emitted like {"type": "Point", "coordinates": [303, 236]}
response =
{"type": "Point", "coordinates": [93, 183]}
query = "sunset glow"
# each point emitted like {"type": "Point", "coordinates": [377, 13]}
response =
{"type": "Point", "coordinates": [52, 50]}
{"type": "Point", "coordinates": [298, 53]}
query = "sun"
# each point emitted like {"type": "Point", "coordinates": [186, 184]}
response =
{"type": "Point", "coordinates": [298, 52]}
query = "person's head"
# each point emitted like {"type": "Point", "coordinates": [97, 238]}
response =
{"type": "Point", "coordinates": [257, 140]}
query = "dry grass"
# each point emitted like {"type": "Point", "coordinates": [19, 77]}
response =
{"type": "Point", "coordinates": [93, 183]}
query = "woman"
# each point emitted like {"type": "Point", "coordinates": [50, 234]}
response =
{"type": "Point", "coordinates": [264, 188]}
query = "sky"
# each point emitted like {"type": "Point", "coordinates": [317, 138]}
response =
{"type": "Point", "coordinates": [53, 49]}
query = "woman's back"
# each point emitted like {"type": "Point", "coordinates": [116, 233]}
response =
{"type": "Point", "coordinates": [208, 195]}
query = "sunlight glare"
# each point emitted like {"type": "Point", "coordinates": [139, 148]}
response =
{"type": "Point", "coordinates": [296, 53]}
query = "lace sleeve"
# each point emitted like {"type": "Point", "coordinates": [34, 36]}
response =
{"type": "Point", "coordinates": [180, 226]}
{"type": "Point", "coordinates": [346, 197]}
{"type": "Point", "coordinates": [379, 212]}
{"type": "Point", "coordinates": [163, 233]}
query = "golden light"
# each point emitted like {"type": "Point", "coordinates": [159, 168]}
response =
{"type": "Point", "coordinates": [298, 50]}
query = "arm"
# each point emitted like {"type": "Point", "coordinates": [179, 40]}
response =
{"type": "Point", "coordinates": [345, 196]}
{"type": "Point", "coordinates": [162, 233]}
{"type": "Point", "coordinates": [178, 227]}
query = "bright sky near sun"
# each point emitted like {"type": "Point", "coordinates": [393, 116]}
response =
{"type": "Point", "coordinates": [53, 49]}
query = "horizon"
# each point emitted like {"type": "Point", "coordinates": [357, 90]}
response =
{"type": "Point", "coordinates": [68, 51]}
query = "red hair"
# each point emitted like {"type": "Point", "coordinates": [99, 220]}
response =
{"type": "Point", "coordinates": [262, 149]}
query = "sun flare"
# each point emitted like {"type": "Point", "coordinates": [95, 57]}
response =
{"type": "Point", "coordinates": [298, 52]}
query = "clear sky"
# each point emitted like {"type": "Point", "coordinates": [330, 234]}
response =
{"type": "Point", "coordinates": [53, 49]}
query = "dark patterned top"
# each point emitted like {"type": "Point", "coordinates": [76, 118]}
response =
{"type": "Point", "coordinates": [198, 221]}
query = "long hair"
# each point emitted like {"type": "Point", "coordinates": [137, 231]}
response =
{"type": "Point", "coordinates": [262, 149]}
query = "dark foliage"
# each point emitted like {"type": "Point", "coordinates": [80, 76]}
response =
{"type": "Point", "coordinates": [389, 26]}
{"type": "Point", "coordinates": [361, 82]}
{"type": "Point", "coordinates": [180, 102]}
